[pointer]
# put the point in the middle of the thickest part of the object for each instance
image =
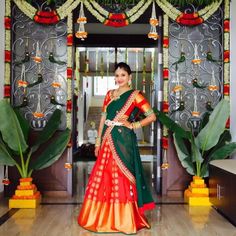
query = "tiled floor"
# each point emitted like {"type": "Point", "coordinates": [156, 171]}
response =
{"type": "Point", "coordinates": [58, 217]}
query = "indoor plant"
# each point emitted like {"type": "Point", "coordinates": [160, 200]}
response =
{"type": "Point", "coordinates": [212, 142]}
{"type": "Point", "coordinates": [195, 150]}
{"type": "Point", "coordinates": [16, 148]}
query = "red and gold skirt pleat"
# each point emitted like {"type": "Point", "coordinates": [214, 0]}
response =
{"type": "Point", "coordinates": [110, 203]}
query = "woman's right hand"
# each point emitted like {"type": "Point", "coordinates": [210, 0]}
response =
{"type": "Point", "coordinates": [96, 151]}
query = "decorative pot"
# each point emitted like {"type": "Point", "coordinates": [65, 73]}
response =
{"type": "Point", "coordinates": [197, 194]}
{"type": "Point", "coordinates": [26, 195]}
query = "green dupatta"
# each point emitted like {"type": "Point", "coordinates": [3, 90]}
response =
{"type": "Point", "coordinates": [124, 147]}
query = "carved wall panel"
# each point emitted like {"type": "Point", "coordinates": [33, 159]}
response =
{"type": "Point", "coordinates": [39, 56]}
{"type": "Point", "coordinates": [196, 67]}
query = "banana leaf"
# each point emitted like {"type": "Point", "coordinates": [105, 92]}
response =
{"type": "Point", "coordinates": [171, 125]}
{"type": "Point", "coordinates": [5, 157]}
{"type": "Point", "coordinates": [204, 170]}
{"type": "Point", "coordinates": [196, 155]}
{"type": "Point", "coordinates": [48, 131]}
{"type": "Point", "coordinates": [210, 134]}
{"type": "Point", "coordinates": [10, 128]}
{"type": "Point", "coordinates": [23, 123]}
{"type": "Point", "coordinates": [185, 159]}
{"type": "Point", "coordinates": [224, 139]}
{"type": "Point", "coordinates": [223, 152]}
{"type": "Point", "coordinates": [205, 119]}
{"type": "Point", "coordinates": [52, 152]}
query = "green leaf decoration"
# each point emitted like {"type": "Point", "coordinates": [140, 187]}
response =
{"type": "Point", "coordinates": [224, 138]}
{"type": "Point", "coordinates": [183, 144]}
{"type": "Point", "coordinates": [10, 128]}
{"type": "Point", "coordinates": [204, 170]}
{"type": "Point", "coordinates": [210, 134]}
{"type": "Point", "coordinates": [185, 160]}
{"type": "Point", "coordinates": [5, 157]}
{"type": "Point", "coordinates": [223, 152]}
{"type": "Point", "coordinates": [52, 152]}
{"type": "Point", "coordinates": [196, 155]}
{"type": "Point", "coordinates": [23, 123]}
{"type": "Point", "coordinates": [205, 119]}
{"type": "Point", "coordinates": [171, 125]}
{"type": "Point", "coordinates": [48, 131]}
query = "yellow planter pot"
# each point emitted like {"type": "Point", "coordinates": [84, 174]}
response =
{"type": "Point", "coordinates": [197, 193]}
{"type": "Point", "coordinates": [26, 195]}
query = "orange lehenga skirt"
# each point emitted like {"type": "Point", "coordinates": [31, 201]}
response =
{"type": "Point", "coordinates": [110, 203]}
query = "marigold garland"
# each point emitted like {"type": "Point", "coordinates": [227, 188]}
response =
{"type": "Point", "coordinates": [226, 56]}
{"type": "Point", "coordinates": [7, 83]}
{"type": "Point", "coordinates": [165, 105]}
{"type": "Point", "coordinates": [190, 19]}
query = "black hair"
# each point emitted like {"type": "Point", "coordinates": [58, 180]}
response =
{"type": "Point", "coordinates": [123, 66]}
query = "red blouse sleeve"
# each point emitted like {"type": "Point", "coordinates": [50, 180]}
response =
{"type": "Point", "coordinates": [106, 101]}
{"type": "Point", "coordinates": [143, 105]}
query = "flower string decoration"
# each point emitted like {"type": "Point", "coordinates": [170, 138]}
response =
{"type": "Point", "coordinates": [82, 20]}
{"type": "Point", "coordinates": [154, 23]}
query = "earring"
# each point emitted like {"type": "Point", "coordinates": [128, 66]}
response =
{"type": "Point", "coordinates": [129, 82]}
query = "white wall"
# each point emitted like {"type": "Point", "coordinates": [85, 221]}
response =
{"type": "Point", "coordinates": [233, 71]}
{"type": "Point", "coordinates": [2, 11]}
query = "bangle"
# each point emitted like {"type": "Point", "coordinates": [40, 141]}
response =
{"type": "Point", "coordinates": [98, 142]}
{"type": "Point", "coordinates": [104, 114]}
{"type": "Point", "coordinates": [136, 125]}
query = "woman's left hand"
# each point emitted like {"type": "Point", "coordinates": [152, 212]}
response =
{"type": "Point", "coordinates": [126, 123]}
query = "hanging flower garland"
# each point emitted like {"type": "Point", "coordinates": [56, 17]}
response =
{"type": "Point", "coordinates": [7, 83]}
{"type": "Point", "coordinates": [95, 13]}
{"type": "Point", "coordinates": [165, 105]}
{"type": "Point", "coordinates": [82, 20]}
{"type": "Point", "coordinates": [189, 19]}
{"type": "Point", "coordinates": [69, 71]}
{"type": "Point", "coordinates": [47, 17]}
{"type": "Point", "coordinates": [226, 56]}
{"type": "Point", "coordinates": [154, 23]}
{"type": "Point", "coordinates": [116, 19]}
{"type": "Point", "coordinates": [140, 12]}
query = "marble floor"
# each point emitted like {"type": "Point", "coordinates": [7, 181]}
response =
{"type": "Point", "coordinates": [58, 217]}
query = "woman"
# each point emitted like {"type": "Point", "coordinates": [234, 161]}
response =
{"type": "Point", "coordinates": [117, 196]}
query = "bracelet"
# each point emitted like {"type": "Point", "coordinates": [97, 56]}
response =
{"type": "Point", "coordinates": [98, 142]}
{"type": "Point", "coordinates": [149, 112]}
{"type": "Point", "coordinates": [136, 125]}
{"type": "Point", "coordinates": [104, 114]}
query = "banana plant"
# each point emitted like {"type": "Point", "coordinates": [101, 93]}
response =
{"type": "Point", "coordinates": [15, 148]}
{"type": "Point", "coordinates": [213, 142]}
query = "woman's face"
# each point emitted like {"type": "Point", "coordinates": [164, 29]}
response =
{"type": "Point", "coordinates": [122, 77]}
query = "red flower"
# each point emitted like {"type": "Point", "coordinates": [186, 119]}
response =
{"type": "Point", "coordinates": [190, 19]}
{"type": "Point", "coordinates": [69, 72]}
{"type": "Point", "coordinates": [7, 56]}
{"type": "Point", "coordinates": [7, 91]}
{"type": "Point", "coordinates": [165, 142]}
{"type": "Point", "coordinates": [68, 106]}
{"type": "Point", "coordinates": [165, 106]}
{"type": "Point", "coordinates": [116, 20]}
{"type": "Point", "coordinates": [7, 23]}
{"type": "Point", "coordinates": [165, 41]}
{"type": "Point", "coordinates": [226, 89]}
{"type": "Point", "coordinates": [165, 73]}
{"type": "Point", "coordinates": [226, 56]}
{"type": "Point", "coordinates": [226, 26]}
{"type": "Point", "coordinates": [6, 181]}
{"type": "Point", "coordinates": [46, 17]}
{"type": "Point", "coordinates": [69, 39]}
{"type": "Point", "coordinates": [47, 13]}
{"type": "Point", "coordinates": [227, 125]}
